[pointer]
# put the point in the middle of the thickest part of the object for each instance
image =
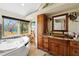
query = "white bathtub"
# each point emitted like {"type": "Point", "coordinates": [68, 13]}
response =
{"type": "Point", "coordinates": [15, 47]}
{"type": "Point", "coordinates": [22, 51]}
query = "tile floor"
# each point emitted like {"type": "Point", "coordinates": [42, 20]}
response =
{"type": "Point", "coordinates": [36, 52]}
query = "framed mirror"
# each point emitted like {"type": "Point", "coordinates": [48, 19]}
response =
{"type": "Point", "coordinates": [60, 23]}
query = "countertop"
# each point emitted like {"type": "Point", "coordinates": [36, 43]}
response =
{"type": "Point", "coordinates": [61, 38]}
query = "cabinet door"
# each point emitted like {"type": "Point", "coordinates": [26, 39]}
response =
{"type": "Point", "coordinates": [39, 25]}
{"type": "Point", "coordinates": [74, 51]}
{"type": "Point", "coordinates": [45, 47]}
{"type": "Point", "coordinates": [45, 43]}
{"type": "Point", "coordinates": [40, 28]}
{"type": "Point", "coordinates": [62, 50]}
{"type": "Point", "coordinates": [58, 47]}
{"type": "Point", "coordinates": [53, 48]}
{"type": "Point", "coordinates": [40, 43]}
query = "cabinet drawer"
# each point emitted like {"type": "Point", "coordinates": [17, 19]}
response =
{"type": "Point", "coordinates": [62, 42]}
{"type": "Point", "coordinates": [51, 40]}
{"type": "Point", "coordinates": [58, 41]}
{"type": "Point", "coordinates": [45, 40]}
{"type": "Point", "coordinates": [40, 37]}
{"type": "Point", "coordinates": [74, 52]}
{"type": "Point", "coordinates": [53, 46]}
{"type": "Point", "coordinates": [45, 45]}
{"type": "Point", "coordinates": [74, 44]}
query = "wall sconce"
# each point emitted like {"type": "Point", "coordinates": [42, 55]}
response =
{"type": "Point", "coordinates": [73, 16]}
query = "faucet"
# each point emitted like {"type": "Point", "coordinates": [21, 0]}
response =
{"type": "Point", "coordinates": [76, 35]}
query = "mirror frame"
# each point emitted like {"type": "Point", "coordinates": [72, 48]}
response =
{"type": "Point", "coordinates": [66, 22]}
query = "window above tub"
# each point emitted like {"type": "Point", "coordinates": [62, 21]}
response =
{"type": "Point", "coordinates": [14, 27]}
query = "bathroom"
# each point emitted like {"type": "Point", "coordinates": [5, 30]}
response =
{"type": "Point", "coordinates": [19, 29]}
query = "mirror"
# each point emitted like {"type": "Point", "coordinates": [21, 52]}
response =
{"type": "Point", "coordinates": [60, 22]}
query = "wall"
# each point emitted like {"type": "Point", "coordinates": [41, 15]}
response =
{"type": "Point", "coordinates": [33, 17]}
{"type": "Point", "coordinates": [14, 15]}
{"type": "Point", "coordinates": [49, 23]}
{"type": "Point", "coordinates": [53, 10]}
{"type": "Point", "coordinates": [72, 26]}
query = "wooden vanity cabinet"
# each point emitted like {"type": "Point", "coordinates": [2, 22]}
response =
{"type": "Point", "coordinates": [41, 28]}
{"type": "Point", "coordinates": [74, 48]}
{"type": "Point", "coordinates": [55, 46]}
{"type": "Point", "coordinates": [58, 47]}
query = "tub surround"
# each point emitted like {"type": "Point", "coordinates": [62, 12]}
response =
{"type": "Point", "coordinates": [4, 53]}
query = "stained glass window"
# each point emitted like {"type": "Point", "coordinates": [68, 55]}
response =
{"type": "Point", "coordinates": [10, 27]}
{"type": "Point", "coordinates": [24, 27]}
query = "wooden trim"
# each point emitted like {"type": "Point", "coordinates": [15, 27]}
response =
{"type": "Point", "coordinates": [14, 18]}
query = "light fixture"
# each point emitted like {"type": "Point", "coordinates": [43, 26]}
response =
{"type": "Point", "coordinates": [22, 4]}
{"type": "Point", "coordinates": [73, 16]}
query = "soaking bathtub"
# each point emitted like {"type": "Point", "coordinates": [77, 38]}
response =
{"type": "Point", "coordinates": [15, 47]}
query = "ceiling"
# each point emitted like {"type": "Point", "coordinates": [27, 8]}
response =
{"type": "Point", "coordinates": [63, 7]}
{"type": "Point", "coordinates": [20, 8]}
{"type": "Point", "coordinates": [25, 9]}
{"type": "Point", "coordinates": [55, 9]}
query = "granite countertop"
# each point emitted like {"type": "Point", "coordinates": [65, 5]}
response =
{"type": "Point", "coordinates": [61, 38]}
